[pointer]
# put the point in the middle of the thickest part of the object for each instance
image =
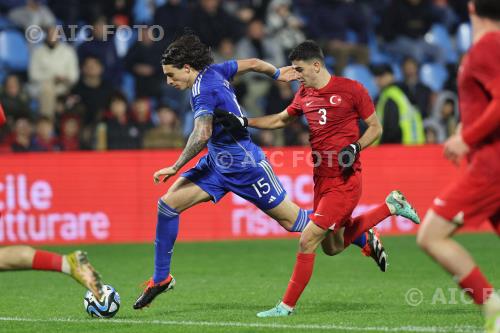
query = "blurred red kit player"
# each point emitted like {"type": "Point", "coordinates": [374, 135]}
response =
{"type": "Point", "coordinates": [475, 196]}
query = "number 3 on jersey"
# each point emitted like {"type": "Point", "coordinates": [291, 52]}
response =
{"type": "Point", "coordinates": [322, 119]}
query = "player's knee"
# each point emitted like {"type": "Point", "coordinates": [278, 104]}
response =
{"type": "Point", "coordinates": [306, 244]}
{"type": "Point", "coordinates": [425, 240]}
{"type": "Point", "coordinates": [331, 251]}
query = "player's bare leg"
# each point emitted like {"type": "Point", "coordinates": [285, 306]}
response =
{"type": "Point", "coordinates": [434, 237]}
{"type": "Point", "coordinates": [309, 241]}
{"type": "Point", "coordinates": [285, 213]}
{"type": "Point", "coordinates": [16, 257]}
{"type": "Point", "coordinates": [333, 243]}
{"type": "Point", "coordinates": [182, 195]}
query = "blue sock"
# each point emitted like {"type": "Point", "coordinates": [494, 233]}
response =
{"type": "Point", "coordinates": [301, 221]}
{"type": "Point", "coordinates": [166, 233]}
{"type": "Point", "coordinates": [361, 240]}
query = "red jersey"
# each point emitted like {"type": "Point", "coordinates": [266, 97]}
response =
{"type": "Point", "coordinates": [478, 83]}
{"type": "Point", "coordinates": [332, 113]}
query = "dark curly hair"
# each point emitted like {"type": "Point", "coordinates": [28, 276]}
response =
{"type": "Point", "coordinates": [187, 49]}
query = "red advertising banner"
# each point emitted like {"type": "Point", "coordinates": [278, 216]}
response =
{"type": "Point", "coordinates": [109, 197]}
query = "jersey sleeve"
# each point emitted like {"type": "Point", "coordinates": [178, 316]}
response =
{"type": "Point", "coordinates": [295, 108]}
{"type": "Point", "coordinates": [363, 101]}
{"type": "Point", "coordinates": [204, 102]}
{"type": "Point", "coordinates": [227, 69]}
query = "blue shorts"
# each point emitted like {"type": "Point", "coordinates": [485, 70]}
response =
{"type": "Point", "coordinates": [257, 184]}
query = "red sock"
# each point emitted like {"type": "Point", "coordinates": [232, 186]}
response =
{"type": "Point", "coordinates": [300, 278]}
{"type": "Point", "coordinates": [476, 285]}
{"type": "Point", "coordinates": [47, 261]}
{"type": "Point", "coordinates": [364, 222]}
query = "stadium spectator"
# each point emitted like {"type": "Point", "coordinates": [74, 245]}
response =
{"type": "Point", "coordinates": [45, 138]}
{"type": "Point", "coordinates": [401, 122]}
{"type": "Point", "coordinates": [101, 45]}
{"type": "Point", "coordinates": [141, 116]}
{"type": "Point", "coordinates": [120, 132]}
{"type": "Point", "coordinates": [33, 13]}
{"type": "Point", "coordinates": [225, 50]}
{"type": "Point", "coordinates": [445, 111]}
{"type": "Point", "coordinates": [283, 25]}
{"type": "Point", "coordinates": [15, 102]}
{"type": "Point", "coordinates": [167, 134]}
{"type": "Point", "coordinates": [53, 70]}
{"type": "Point", "coordinates": [70, 132]}
{"type": "Point", "coordinates": [257, 44]}
{"type": "Point", "coordinates": [172, 17]}
{"type": "Point", "coordinates": [434, 131]}
{"type": "Point", "coordinates": [92, 91]}
{"type": "Point", "coordinates": [329, 22]}
{"type": "Point", "coordinates": [212, 23]}
{"type": "Point", "coordinates": [404, 26]}
{"type": "Point", "coordinates": [419, 94]}
{"type": "Point", "coordinates": [142, 62]}
{"type": "Point", "coordinates": [22, 140]}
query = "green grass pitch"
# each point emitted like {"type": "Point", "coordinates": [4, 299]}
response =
{"type": "Point", "coordinates": [222, 285]}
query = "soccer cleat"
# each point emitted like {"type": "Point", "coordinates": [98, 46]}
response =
{"type": "Point", "coordinates": [398, 205]}
{"type": "Point", "coordinates": [278, 311]}
{"type": "Point", "coordinates": [152, 290]}
{"type": "Point", "coordinates": [493, 324]}
{"type": "Point", "coordinates": [375, 249]}
{"type": "Point", "coordinates": [82, 271]}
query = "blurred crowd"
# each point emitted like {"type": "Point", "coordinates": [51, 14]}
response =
{"type": "Point", "coordinates": [109, 93]}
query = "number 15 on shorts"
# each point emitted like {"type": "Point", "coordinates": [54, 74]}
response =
{"type": "Point", "coordinates": [261, 187]}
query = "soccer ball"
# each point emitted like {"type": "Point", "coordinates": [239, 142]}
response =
{"type": "Point", "coordinates": [106, 307]}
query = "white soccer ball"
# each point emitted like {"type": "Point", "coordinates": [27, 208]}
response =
{"type": "Point", "coordinates": [106, 307]}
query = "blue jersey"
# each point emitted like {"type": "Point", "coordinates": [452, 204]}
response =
{"type": "Point", "coordinates": [227, 152]}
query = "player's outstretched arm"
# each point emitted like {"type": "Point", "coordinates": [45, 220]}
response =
{"type": "Point", "coordinates": [196, 143]}
{"type": "Point", "coordinates": [285, 74]}
{"type": "Point", "coordinates": [274, 121]}
{"type": "Point", "coordinates": [372, 133]}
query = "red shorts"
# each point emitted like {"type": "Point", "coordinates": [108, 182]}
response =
{"type": "Point", "coordinates": [470, 200]}
{"type": "Point", "coordinates": [334, 200]}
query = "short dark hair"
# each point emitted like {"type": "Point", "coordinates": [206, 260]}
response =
{"type": "Point", "coordinates": [488, 9]}
{"type": "Point", "coordinates": [308, 50]}
{"type": "Point", "coordinates": [187, 49]}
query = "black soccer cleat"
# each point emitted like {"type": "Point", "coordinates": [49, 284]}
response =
{"type": "Point", "coordinates": [375, 249]}
{"type": "Point", "coordinates": [152, 290]}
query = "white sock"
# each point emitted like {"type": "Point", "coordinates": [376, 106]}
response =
{"type": "Point", "coordinates": [65, 266]}
{"type": "Point", "coordinates": [286, 307]}
{"type": "Point", "coordinates": [492, 305]}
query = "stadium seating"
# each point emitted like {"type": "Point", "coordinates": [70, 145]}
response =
{"type": "Point", "coordinates": [362, 74]}
{"type": "Point", "coordinates": [433, 75]}
{"type": "Point", "coordinates": [14, 53]}
{"type": "Point", "coordinates": [464, 37]}
{"type": "Point", "coordinates": [438, 35]}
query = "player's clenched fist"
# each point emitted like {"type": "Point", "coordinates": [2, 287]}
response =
{"type": "Point", "coordinates": [164, 174]}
